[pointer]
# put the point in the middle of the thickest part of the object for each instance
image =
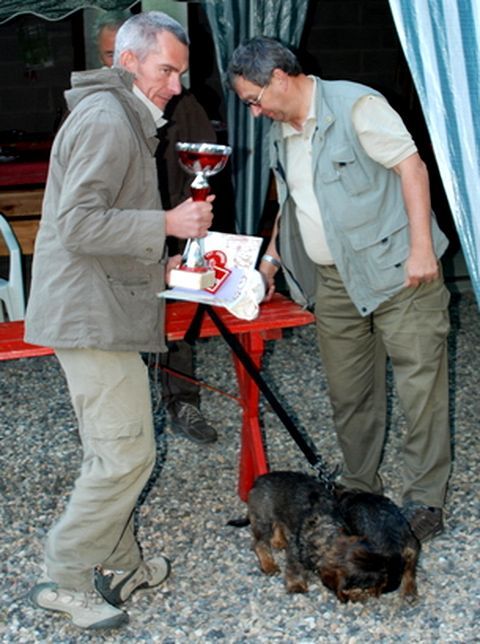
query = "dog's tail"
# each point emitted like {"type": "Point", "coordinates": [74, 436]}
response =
{"type": "Point", "coordinates": [241, 522]}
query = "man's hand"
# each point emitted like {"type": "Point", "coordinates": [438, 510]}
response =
{"type": "Point", "coordinates": [189, 219]}
{"type": "Point", "coordinates": [175, 261]}
{"type": "Point", "coordinates": [268, 272]}
{"type": "Point", "coordinates": [421, 269]}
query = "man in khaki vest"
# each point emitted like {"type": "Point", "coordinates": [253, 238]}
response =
{"type": "Point", "coordinates": [356, 239]}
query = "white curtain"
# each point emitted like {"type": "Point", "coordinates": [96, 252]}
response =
{"type": "Point", "coordinates": [441, 42]}
{"type": "Point", "coordinates": [232, 22]}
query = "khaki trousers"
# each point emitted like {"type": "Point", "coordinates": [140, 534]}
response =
{"type": "Point", "coordinates": [111, 397]}
{"type": "Point", "coordinates": [412, 329]}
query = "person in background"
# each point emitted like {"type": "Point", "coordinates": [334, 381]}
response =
{"type": "Point", "coordinates": [105, 32]}
{"type": "Point", "coordinates": [184, 120]}
{"type": "Point", "coordinates": [357, 241]}
{"type": "Point", "coordinates": [100, 259]}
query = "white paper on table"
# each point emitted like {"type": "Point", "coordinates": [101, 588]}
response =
{"type": "Point", "coordinates": [241, 253]}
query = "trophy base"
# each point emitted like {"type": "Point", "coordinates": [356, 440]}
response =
{"type": "Point", "coordinates": [192, 278]}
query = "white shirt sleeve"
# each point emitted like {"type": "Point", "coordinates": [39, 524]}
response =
{"type": "Point", "coordinates": [381, 131]}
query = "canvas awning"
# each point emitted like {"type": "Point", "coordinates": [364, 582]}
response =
{"type": "Point", "coordinates": [56, 9]}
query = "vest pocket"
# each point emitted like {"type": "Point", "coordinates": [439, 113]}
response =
{"type": "Point", "coordinates": [346, 169]}
{"type": "Point", "coordinates": [382, 254]}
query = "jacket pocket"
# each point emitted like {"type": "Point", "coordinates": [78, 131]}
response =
{"type": "Point", "coordinates": [382, 253]}
{"type": "Point", "coordinates": [386, 245]}
{"type": "Point", "coordinates": [129, 282]}
{"type": "Point", "coordinates": [346, 169]}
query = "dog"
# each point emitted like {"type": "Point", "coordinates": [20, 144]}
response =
{"type": "Point", "coordinates": [321, 533]}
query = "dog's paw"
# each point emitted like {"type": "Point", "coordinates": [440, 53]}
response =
{"type": "Point", "coordinates": [269, 568]}
{"type": "Point", "coordinates": [296, 586]}
{"type": "Point", "coordinates": [408, 589]}
{"type": "Point", "coordinates": [410, 597]}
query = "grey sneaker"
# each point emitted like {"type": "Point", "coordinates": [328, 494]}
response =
{"type": "Point", "coordinates": [425, 521]}
{"type": "Point", "coordinates": [116, 586]}
{"type": "Point", "coordinates": [187, 421]}
{"type": "Point", "coordinates": [85, 609]}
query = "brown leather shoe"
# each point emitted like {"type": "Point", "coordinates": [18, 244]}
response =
{"type": "Point", "coordinates": [425, 521]}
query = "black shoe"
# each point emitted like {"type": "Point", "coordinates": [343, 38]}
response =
{"type": "Point", "coordinates": [425, 521]}
{"type": "Point", "coordinates": [187, 421]}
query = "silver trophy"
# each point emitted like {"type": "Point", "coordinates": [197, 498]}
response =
{"type": "Point", "coordinates": [202, 160]}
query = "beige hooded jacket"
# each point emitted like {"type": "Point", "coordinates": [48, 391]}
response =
{"type": "Point", "coordinates": [99, 255]}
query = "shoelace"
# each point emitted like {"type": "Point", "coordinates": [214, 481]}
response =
{"type": "Point", "coordinates": [190, 414]}
{"type": "Point", "coordinates": [82, 600]}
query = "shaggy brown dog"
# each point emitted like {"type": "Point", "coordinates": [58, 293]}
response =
{"type": "Point", "coordinates": [358, 550]}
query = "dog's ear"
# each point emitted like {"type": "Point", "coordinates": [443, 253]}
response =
{"type": "Point", "coordinates": [364, 558]}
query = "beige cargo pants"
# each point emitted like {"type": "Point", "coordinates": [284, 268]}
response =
{"type": "Point", "coordinates": [111, 397]}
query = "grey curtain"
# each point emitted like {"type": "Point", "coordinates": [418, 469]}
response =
{"type": "Point", "coordinates": [232, 22]}
{"type": "Point", "coordinates": [55, 9]}
{"type": "Point", "coordinates": [441, 41]}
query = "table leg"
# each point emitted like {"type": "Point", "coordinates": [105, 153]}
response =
{"type": "Point", "coordinates": [253, 459]}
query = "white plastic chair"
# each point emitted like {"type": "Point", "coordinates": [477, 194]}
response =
{"type": "Point", "coordinates": [11, 290]}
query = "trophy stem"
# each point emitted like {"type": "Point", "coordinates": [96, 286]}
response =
{"type": "Point", "coordinates": [193, 256]}
{"type": "Point", "coordinates": [200, 188]}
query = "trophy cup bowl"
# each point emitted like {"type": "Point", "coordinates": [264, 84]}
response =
{"type": "Point", "coordinates": [202, 160]}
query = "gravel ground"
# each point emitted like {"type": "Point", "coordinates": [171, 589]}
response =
{"type": "Point", "coordinates": [216, 592]}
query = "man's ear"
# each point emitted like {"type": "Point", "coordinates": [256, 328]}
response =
{"type": "Point", "coordinates": [279, 74]}
{"type": "Point", "coordinates": [128, 61]}
{"type": "Point", "coordinates": [281, 79]}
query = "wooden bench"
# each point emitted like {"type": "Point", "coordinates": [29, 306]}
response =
{"type": "Point", "coordinates": [278, 314]}
{"type": "Point", "coordinates": [22, 208]}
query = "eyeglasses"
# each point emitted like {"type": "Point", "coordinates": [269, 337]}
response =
{"type": "Point", "coordinates": [255, 102]}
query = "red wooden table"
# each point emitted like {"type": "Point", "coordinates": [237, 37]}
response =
{"type": "Point", "coordinates": [280, 313]}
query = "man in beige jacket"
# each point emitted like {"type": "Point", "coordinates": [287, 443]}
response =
{"type": "Point", "coordinates": [99, 261]}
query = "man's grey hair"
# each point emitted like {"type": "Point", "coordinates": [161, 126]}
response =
{"type": "Point", "coordinates": [139, 34]}
{"type": "Point", "coordinates": [109, 20]}
{"type": "Point", "coordinates": [256, 59]}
